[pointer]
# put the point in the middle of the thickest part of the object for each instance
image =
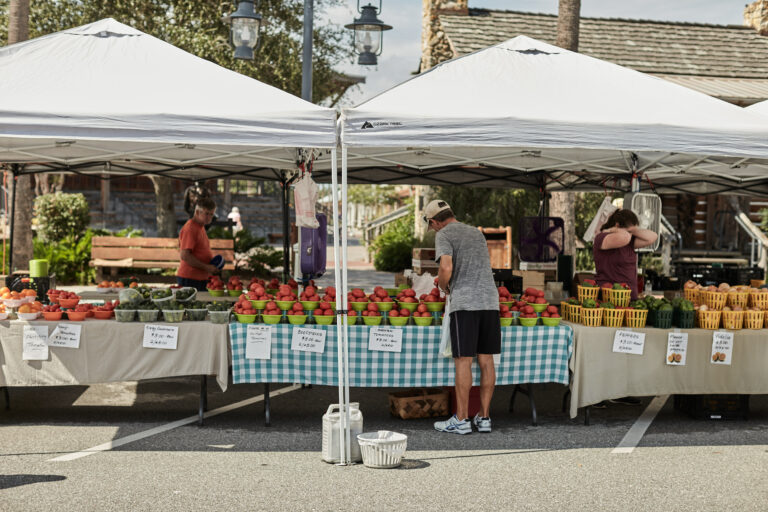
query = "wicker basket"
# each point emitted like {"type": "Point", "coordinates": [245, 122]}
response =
{"type": "Point", "coordinates": [419, 403]}
{"type": "Point", "coordinates": [613, 317]}
{"type": "Point", "coordinates": [739, 299]}
{"type": "Point", "coordinates": [663, 319]}
{"type": "Point", "coordinates": [733, 320]}
{"type": "Point", "coordinates": [574, 312]}
{"type": "Point", "coordinates": [691, 294]}
{"type": "Point", "coordinates": [620, 298]}
{"type": "Point", "coordinates": [709, 319]}
{"type": "Point", "coordinates": [754, 319]}
{"type": "Point", "coordinates": [635, 317]}
{"type": "Point", "coordinates": [714, 300]}
{"type": "Point", "coordinates": [758, 300]}
{"type": "Point", "coordinates": [587, 292]}
{"type": "Point", "coordinates": [592, 317]}
{"type": "Point", "coordinates": [684, 319]}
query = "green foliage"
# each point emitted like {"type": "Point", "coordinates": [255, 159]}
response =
{"type": "Point", "coordinates": [764, 219]}
{"type": "Point", "coordinates": [650, 262]}
{"type": "Point", "coordinates": [585, 260]}
{"type": "Point", "coordinates": [68, 258]}
{"type": "Point", "coordinates": [372, 194]}
{"type": "Point", "coordinates": [393, 248]}
{"type": "Point", "coordinates": [61, 216]}
{"type": "Point", "coordinates": [587, 204]}
{"type": "Point", "coordinates": [251, 251]}
{"type": "Point", "coordinates": [196, 26]}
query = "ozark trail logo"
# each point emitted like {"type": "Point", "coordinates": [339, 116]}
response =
{"type": "Point", "coordinates": [366, 125]}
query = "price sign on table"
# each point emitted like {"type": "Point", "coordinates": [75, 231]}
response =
{"type": "Point", "coordinates": [160, 336]}
{"type": "Point", "coordinates": [385, 339]}
{"type": "Point", "coordinates": [66, 336]}
{"type": "Point", "coordinates": [677, 347]}
{"type": "Point", "coordinates": [34, 343]}
{"type": "Point", "coordinates": [629, 342]}
{"type": "Point", "coordinates": [258, 342]}
{"type": "Point", "coordinates": [308, 340]}
{"type": "Point", "coordinates": [722, 347]}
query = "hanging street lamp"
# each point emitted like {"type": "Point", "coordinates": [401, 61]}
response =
{"type": "Point", "coordinates": [245, 24]}
{"type": "Point", "coordinates": [368, 34]}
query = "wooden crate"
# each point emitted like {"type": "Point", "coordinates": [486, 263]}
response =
{"type": "Point", "coordinates": [499, 241]}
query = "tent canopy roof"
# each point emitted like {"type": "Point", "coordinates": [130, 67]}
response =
{"type": "Point", "coordinates": [525, 112]}
{"type": "Point", "coordinates": [106, 92]}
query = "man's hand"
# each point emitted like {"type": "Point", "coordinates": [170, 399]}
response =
{"type": "Point", "coordinates": [212, 269]}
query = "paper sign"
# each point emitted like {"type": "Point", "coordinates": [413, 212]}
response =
{"type": "Point", "coordinates": [677, 347]}
{"type": "Point", "coordinates": [722, 347]}
{"type": "Point", "coordinates": [629, 342]}
{"type": "Point", "coordinates": [34, 339]}
{"type": "Point", "coordinates": [160, 336]}
{"type": "Point", "coordinates": [66, 336]}
{"type": "Point", "coordinates": [385, 339]}
{"type": "Point", "coordinates": [308, 340]}
{"type": "Point", "coordinates": [258, 342]}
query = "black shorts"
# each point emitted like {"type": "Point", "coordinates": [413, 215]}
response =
{"type": "Point", "coordinates": [475, 332]}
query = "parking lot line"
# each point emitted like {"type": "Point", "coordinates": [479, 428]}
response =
{"type": "Point", "coordinates": [636, 433]}
{"type": "Point", "coordinates": [169, 426]}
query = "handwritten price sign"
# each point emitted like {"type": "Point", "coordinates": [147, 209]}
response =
{"type": "Point", "coordinates": [160, 336]}
{"type": "Point", "coordinates": [308, 340]}
{"type": "Point", "coordinates": [35, 343]}
{"type": "Point", "coordinates": [722, 347]}
{"type": "Point", "coordinates": [258, 342]}
{"type": "Point", "coordinates": [385, 339]}
{"type": "Point", "coordinates": [65, 335]}
{"type": "Point", "coordinates": [629, 342]}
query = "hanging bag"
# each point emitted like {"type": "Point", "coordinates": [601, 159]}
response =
{"type": "Point", "coordinates": [305, 197]}
{"type": "Point", "coordinates": [606, 210]}
{"type": "Point", "coordinates": [445, 333]}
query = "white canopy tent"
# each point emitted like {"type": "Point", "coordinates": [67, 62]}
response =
{"type": "Point", "coordinates": [526, 113]}
{"type": "Point", "coordinates": [105, 98]}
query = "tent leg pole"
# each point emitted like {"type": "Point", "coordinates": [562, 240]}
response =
{"type": "Point", "coordinates": [14, 173]}
{"type": "Point", "coordinates": [286, 233]}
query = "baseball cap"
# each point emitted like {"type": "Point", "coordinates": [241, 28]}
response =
{"type": "Point", "coordinates": [435, 207]}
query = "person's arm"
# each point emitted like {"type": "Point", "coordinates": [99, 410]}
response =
{"type": "Point", "coordinates": [444, 273]}
{"type": "Point", "coordinates": [191, 260]}
{"type": "Point", "coordinates": [643, 237]}
{"type": "Point", "coordinates": [616, 237]}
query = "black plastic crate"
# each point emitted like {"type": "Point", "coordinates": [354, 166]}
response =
{"type": "Point", "coordinates": [705, 276]}
{"type": "Point", "coordinates": [743, 275]}
{"type": "Point", "coordinates": [713, 407]}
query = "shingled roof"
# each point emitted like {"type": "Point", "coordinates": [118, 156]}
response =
{"type": "Point", "coordinates": [729, 62]}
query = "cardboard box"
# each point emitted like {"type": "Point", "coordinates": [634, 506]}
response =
{"type": "Point", "coordinates": [421, 266]}
{"type": "Point", "coordinates": [531, 278]}
{"type": "Point", "coordinates": [401, 279]}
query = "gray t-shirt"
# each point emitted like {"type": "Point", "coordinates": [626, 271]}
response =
{"type": "Point", "coordinates": [472, 286]}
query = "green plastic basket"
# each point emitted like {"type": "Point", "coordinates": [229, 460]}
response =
{"type": "Point", "coordinates": [284, 305]}
{"type": "Point", "coordinates": [309, 305]}
{"type": "Point", "coordinates": [398, 321]}
{"type": "Point", "coordinates": [246, 319]}
{"type": "Point", "coordinates": [235, 293]}
{"type": "Point", "coordinates": [259, 304]}
{"type": "Point", "coordinates": [324, 319]}
{"type": "Point", "coordinates": [539, 307]}
{"type": "Point", "coordinates": [528, 322]}
{"type": "Point", "coordinates": [297, 319]}
{"type": "Point", "coordinates": [550, 322]}
{"type": "Point", "coordinates": [435, 306]}
{"type": "Point", "coordinates": [271, 319]}
{"type": "Point", "coordinates": [217, 293]}
{"type": "Point", "coordinates": [662, 319]}
{"type": "Point", "coordinates": [684, 319]}
{"type": "Point", "coordinates": [506, 322]}
{"type": "Point", "coordinates": [423, 321]}
{"type": "Point", "coordinates": [372, 320]}
{"type": "Point", "coordinates": [358, 306]}
{"type": "Point", "coordinates": [385, 306]}
{"type": "Point", "coordinates": [410, 306]}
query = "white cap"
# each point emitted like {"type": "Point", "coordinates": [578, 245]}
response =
{"type": "Point", "coordinates": [435, 207]}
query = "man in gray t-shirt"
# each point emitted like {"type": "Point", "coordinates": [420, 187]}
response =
{"type": "Point", "coordinates": [465, 273]}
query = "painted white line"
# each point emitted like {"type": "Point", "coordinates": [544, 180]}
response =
{"type": "Point", "coordinates": [636, 433]}
{"type": "Point", "coordinates": [170, 426]}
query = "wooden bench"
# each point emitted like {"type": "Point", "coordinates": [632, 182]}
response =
{"type": "Point", "coordinates": [114, 252]}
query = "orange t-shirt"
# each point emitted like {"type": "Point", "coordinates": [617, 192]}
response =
{"type": "Point", "coordinates": [194, 238]}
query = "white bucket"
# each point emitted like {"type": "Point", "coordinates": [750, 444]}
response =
{"type": "Point", "coordinates": [383, 449]}
{"type": "Point", "coordinates": [332, 429]}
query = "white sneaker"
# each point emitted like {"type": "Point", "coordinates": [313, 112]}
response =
{"type": "Point", "coordinates": [482, 424]}
{"type": "Point", "coordinates": [453, 426]}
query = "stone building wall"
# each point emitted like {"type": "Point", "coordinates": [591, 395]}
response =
{"type": "Point", "coordinates": [435, 47]}
{"type": "Point", "coordinates": [756, 16]}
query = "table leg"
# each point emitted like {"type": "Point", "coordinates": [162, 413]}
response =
{"type": "Point", "coordinates": [203, 399]}
{"type": "Point", "coordinates": [586, 415]}
{"type": "Point", "coordinates": [512, 399]}
{"type": "Point", "coordinates": [7, 398]}
{"type": "Point", "coordinates": [267, 413]}
{"type": "Point", "coordinates": [528, 391]}
{"type": "Point", "coordinates": [566, 396]}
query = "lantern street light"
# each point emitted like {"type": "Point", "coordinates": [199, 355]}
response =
{"type": "Point", "coordinates": [368, 34]}
{"type": "Point", "coordinates": [244, 29]}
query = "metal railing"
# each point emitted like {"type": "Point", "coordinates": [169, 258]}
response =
{"type": "Point", "coordinates": [376, 226]}
{"type": "Point", "coordinates": [758, 241]}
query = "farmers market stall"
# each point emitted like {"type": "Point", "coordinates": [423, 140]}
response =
{"type": "Point", "coordinates": [110, 351]}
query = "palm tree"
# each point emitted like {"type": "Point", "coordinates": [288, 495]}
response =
{"type": "Point", "coordinates": [18, 30]}
{"type": "Point", "coordinates": [562, 204]}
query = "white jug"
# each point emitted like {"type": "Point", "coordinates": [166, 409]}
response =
{"type": "Point", "coordinates": [332, 435]}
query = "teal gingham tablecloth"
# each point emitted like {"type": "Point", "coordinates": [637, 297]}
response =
{"type": "Point", "coordinates": [529, 355]}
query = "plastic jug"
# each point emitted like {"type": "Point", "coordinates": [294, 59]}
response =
{"type": "Point", "coordinates": [332, 435]}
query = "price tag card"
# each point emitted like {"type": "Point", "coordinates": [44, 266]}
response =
{"type": "Point", "coordinates": [258, 342]}
{"type": "Point", "coordinates": [160, 336]}
{"type": "Point", "coordinates": [34, 343]}
{"type": "Point", "coordinates": [385, 339]}
{"type": "Point", "coordinates": [629, 342]}
{"type": "Point", "coordinates": [677, 347]}
{"type": "Point", "coordinates": [308, 340]}
{"type": "Point", "coordinates": [66, 336]}
{"type": "Point", "coordinates": [722, 347]}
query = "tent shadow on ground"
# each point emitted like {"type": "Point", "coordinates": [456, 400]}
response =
{"type": "Point", "coordinates": [297, 420]}
{"type": "Point", "coordinates": [8, 481]}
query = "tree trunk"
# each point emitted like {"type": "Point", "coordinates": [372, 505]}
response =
{"type": "Point", "coordinates": [166, 213]}
{"type": "Point", "coordinates": [18, 30]}
{"type": "Point", "coordinates": [562, 204]}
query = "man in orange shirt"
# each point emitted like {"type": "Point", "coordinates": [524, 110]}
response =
{"type": "Point", "coordinates": [195, 249]}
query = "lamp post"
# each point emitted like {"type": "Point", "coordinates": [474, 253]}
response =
{"type": "Point", "coordinates": [368, 34]}
{"type": "Point", "coordinates": [245, 25]}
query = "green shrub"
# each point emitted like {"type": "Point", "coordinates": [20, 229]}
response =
{"type": "Point", "coordinates": [585, 260]}
{"type": "Point", "coordinates": [61, 215]}
{"type": "Point", "coordinates": [393, 248]}
{"type": "Point", "coordinates": [68, 258]}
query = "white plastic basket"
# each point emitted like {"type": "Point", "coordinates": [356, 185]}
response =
{"type": "Point", "coordinates": [382, 449]}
